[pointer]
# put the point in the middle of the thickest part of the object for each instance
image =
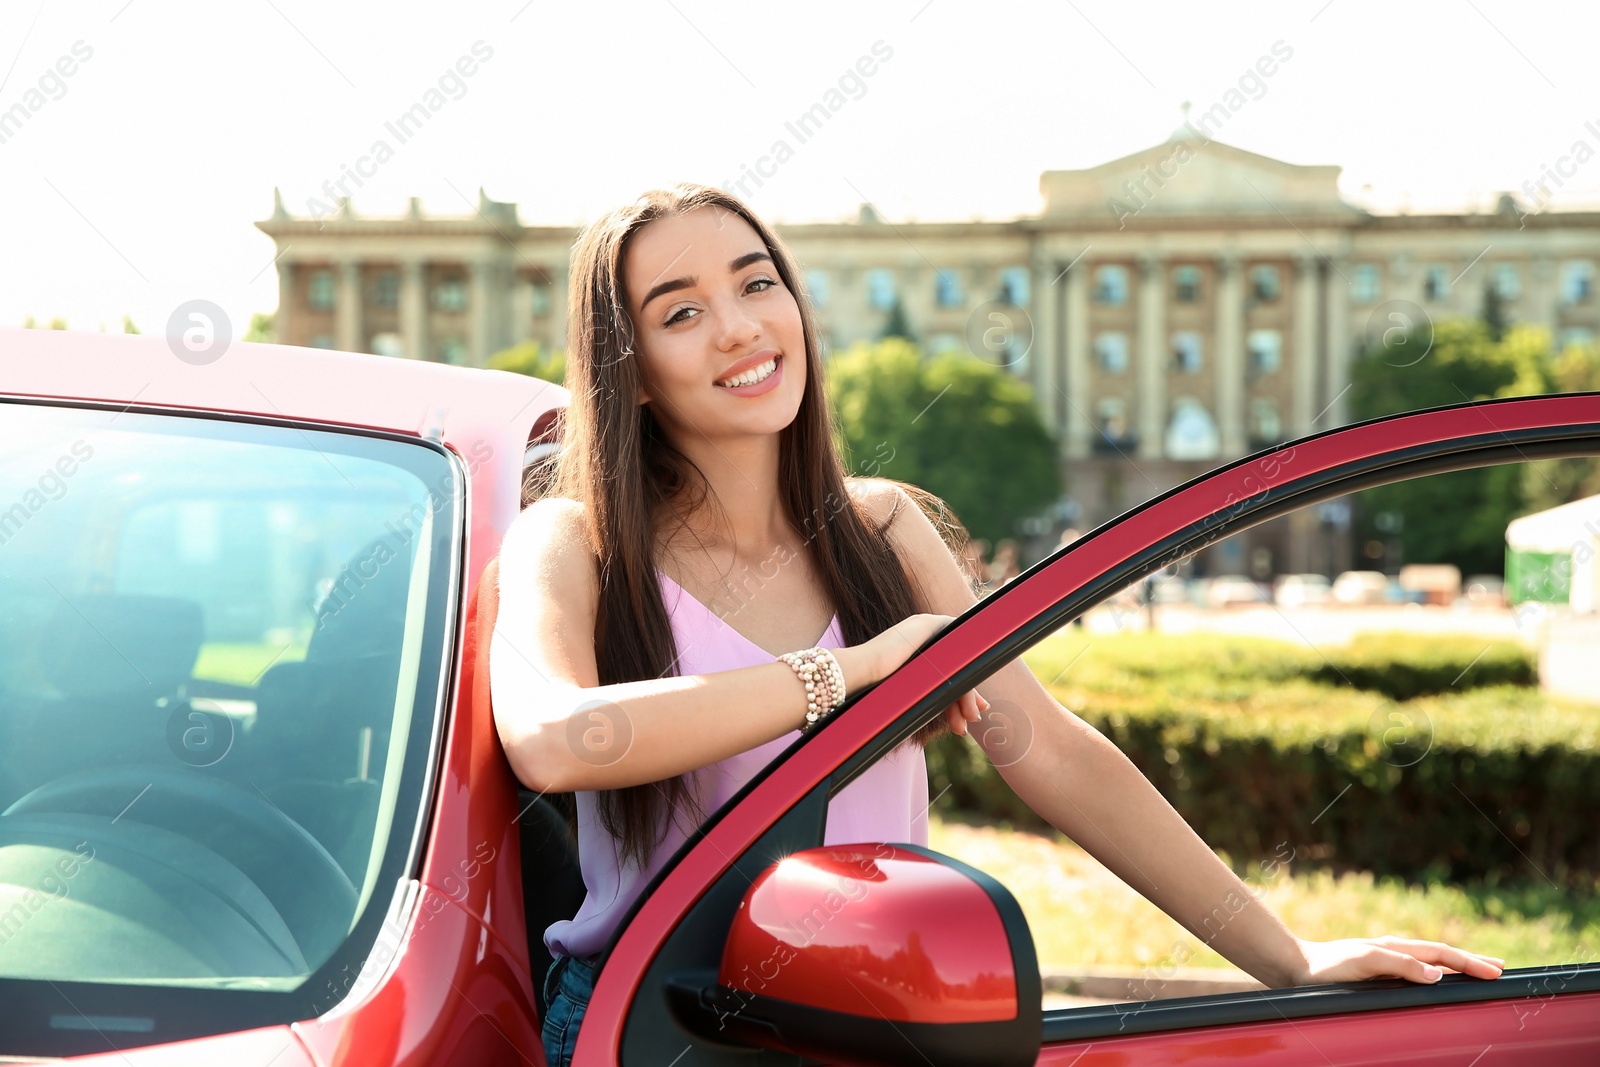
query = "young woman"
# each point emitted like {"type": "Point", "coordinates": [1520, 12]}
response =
{"type": "Point", "coordinates": [700, 524]}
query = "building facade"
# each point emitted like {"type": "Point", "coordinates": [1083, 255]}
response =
{"type": "Point", "coordinates": [1173, 309]}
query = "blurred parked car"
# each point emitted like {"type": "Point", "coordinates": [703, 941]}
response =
{"type": "Point", "coordinates": [1229, 591]}
{"type": "Point", "coordinates": [1299, 590]}
{"type": "Point", "coordinates": [1430, 583]}
{"type": "Point", "coordinates": [1483, 591]}
{"type": "Point", "coordinates": [1361, 587]}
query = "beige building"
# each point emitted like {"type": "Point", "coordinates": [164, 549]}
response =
{"type": "Point", "coordinates": [1173, 309]}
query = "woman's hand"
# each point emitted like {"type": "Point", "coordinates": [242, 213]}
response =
{"type": "Point", "coordinates": [1358, 958]}
{"type": "Point", "coordinates": [896, 644]}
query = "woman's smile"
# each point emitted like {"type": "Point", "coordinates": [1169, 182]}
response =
{"type": "Point", "coordinates": [762, 378]}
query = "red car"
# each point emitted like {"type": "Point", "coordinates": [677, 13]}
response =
{"type": "Point", "coordinates": [253, 807]}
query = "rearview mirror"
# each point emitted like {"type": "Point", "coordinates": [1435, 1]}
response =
{"type": "Point", "coordinates": [872, 953]}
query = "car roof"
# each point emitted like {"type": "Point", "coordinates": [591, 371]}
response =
{"type": "Point", "coordinates": [451, 403]}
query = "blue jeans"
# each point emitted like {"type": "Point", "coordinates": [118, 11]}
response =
{"type": "Point", "coordinates": [567, 985]}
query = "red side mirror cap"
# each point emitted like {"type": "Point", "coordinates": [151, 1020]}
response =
{"type": "Point", "coordinates": [873, 953]}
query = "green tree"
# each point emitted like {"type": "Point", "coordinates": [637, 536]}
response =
{"type": "Point", "coordinates": [263, 327]}
{"type": "Point", "coordinates": [530, 359]}
{"type": "Point", "coordinates": [1459, 517]}
{"type": "Point", "coordinates": [897, 326]}
{"type": "Point", "coordinates": [1547, 483]}
{"type": "Point", "coordinates": [952, 424]}
{"type": "Point", "coordinates": [1494, 311]}
{"type": "Point", "coordinates": [127, 324]}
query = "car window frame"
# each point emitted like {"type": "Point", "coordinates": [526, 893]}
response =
{"type": "Point", "coordinates": [1047, 596]}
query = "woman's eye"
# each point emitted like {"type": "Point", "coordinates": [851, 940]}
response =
{"type": "Point", "coordinates": [674, 318]}
{"type": "Point", "coordinates": [768, 282]}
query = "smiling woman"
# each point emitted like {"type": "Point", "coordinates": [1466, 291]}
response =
{"type": "Point", "coordinates": [697, 440]}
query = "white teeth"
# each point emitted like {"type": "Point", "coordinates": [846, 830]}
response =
{"type": "Point", "coordinates": [751, 376]}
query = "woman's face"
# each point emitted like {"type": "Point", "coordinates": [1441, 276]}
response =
{"type": "Point", "coordinates": [707, 303]}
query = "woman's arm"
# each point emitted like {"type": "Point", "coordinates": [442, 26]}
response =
{"type": "Point", "coordinates": [1082, 784]}
{"type": "Point", "coordinates": [563, 731]}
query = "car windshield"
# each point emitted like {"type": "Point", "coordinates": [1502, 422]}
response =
{"type": "Point", "coordinates": [220, 681]}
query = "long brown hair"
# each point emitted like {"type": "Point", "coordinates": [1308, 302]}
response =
{"type": "Point", "coordinates": [616, 460]}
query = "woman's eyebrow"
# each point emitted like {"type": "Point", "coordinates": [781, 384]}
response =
{"type": "Point", "coordinates": [674, 284]}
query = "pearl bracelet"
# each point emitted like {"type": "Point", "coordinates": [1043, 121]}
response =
{"type": "Point", "coordinates": [824, 682]}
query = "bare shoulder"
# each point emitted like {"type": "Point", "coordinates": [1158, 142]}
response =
{"type": "Point", "coordinates": [922, 550]}
{"type": "Point", "coordinates": [549, 542]}
{"type": "Point", "coordinates": [549, 596]}
{"type": "Point", "coordinates": [880, 496]}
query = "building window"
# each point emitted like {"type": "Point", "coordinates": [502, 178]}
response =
{"type": "Point", "coordinates": [1192, 433]}
{"type": "Point", "coordinates": [452, 350]}
{"type": "Point", "coordinates": [541, 299]}
{"type": "Point", "coordinates": [817, 288]}
{"type": "Point", "coordinates": [1111, 420]}
{"type": "Point", "coordinates": [1507, 281]}
{"type": "Point", "coordinates": [880, 288]}
{"type": "Point", "coordinates": [385, 344]}
{"type": "Point", "coordinates": [450, 294]}
{"type": "Point", "coordinates": [319, 291]}
{"type": "Point", "coordinates": [1186, 284]}
{"type": "Point", "coordinates": [1111, 350]}
{"type": "Point", "coordinates": [1436, 282]}
{"type": "Point", "coordinates": [1111, 286]}
{"type": "Point", "coordinates": [1187, 355]}
{"type": "Point", "coordinates": [322, 340]}
{"type": "Point", "coordinates": [1014, 285]}
{"type": "Point", "coordinates": [1264, 286]}
{"type": "Point", "coordinates": [1364, 283]}
{"type": "Point", "coordinates": [386, 290]}
{"type": "Point", "coordinates": [1266, 425]}
{"type": "Point", "coordinates": [945, 342]}
{"type": "Point", "coordinates": [1577, 282]}
{"type": "Point", "coordinates": [1266, 350]}
{"type": "Point", "coordinates": [947, 289]}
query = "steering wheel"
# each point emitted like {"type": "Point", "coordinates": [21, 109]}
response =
{"type": "Point", "coordinates": [294, 871]}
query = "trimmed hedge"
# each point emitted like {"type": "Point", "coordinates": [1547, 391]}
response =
{"type": "Point", "coordinates": [1489, 782]}
{"type": "Point", "coordinates": [1405, 666]}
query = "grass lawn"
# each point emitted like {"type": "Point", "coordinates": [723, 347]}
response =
{"type": "Point", "coordinates": [243, 664]}
{"type": "Point", "coordinates": [1082, 914]}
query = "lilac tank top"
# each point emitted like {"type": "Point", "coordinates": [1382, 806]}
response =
{"type": "Point", "coordinates": [888, 802]}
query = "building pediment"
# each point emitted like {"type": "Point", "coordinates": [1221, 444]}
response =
{"type": "Point", "coordinates": [1191, 174]}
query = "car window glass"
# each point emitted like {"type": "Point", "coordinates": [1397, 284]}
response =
{"type": "Point", "coordinates": [210, 658]}
{"type": "Point", "coordinates": [1380, 710]}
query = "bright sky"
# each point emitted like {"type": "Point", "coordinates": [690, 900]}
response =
{"type": "Point", "coordinates": [133, 184]}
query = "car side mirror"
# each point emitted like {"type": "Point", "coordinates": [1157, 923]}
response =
{"type": "Point", "coordinates": [872, 953]}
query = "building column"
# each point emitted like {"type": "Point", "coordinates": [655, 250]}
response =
{"type": "Point", "coordinates": [1230, 356]}
{"type": "Point", "coordinates": [1303, 384]}
{"type": "Point", "coordinates": [283, 318]}
{"type": "Point", "coordinates": [1042, 359]}
{"type": "Point", "coordinates": [1076, 388]}
{"type": "Point", "coordinates": [480, 309]}
{"type": "Point", "coordinates": [1152, 380]}
{"type": "Point", "coordinates": [1336, 370]}
{"type": "Point", "coordinates": [414, 309]}
{"type": "Point", "coordinates": [347, 312]}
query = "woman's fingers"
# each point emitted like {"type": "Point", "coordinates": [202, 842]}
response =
{"type": "Point", "coordinates": [1456, 959]}
{"type": "Point", "coordinates": [1403, 965]}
